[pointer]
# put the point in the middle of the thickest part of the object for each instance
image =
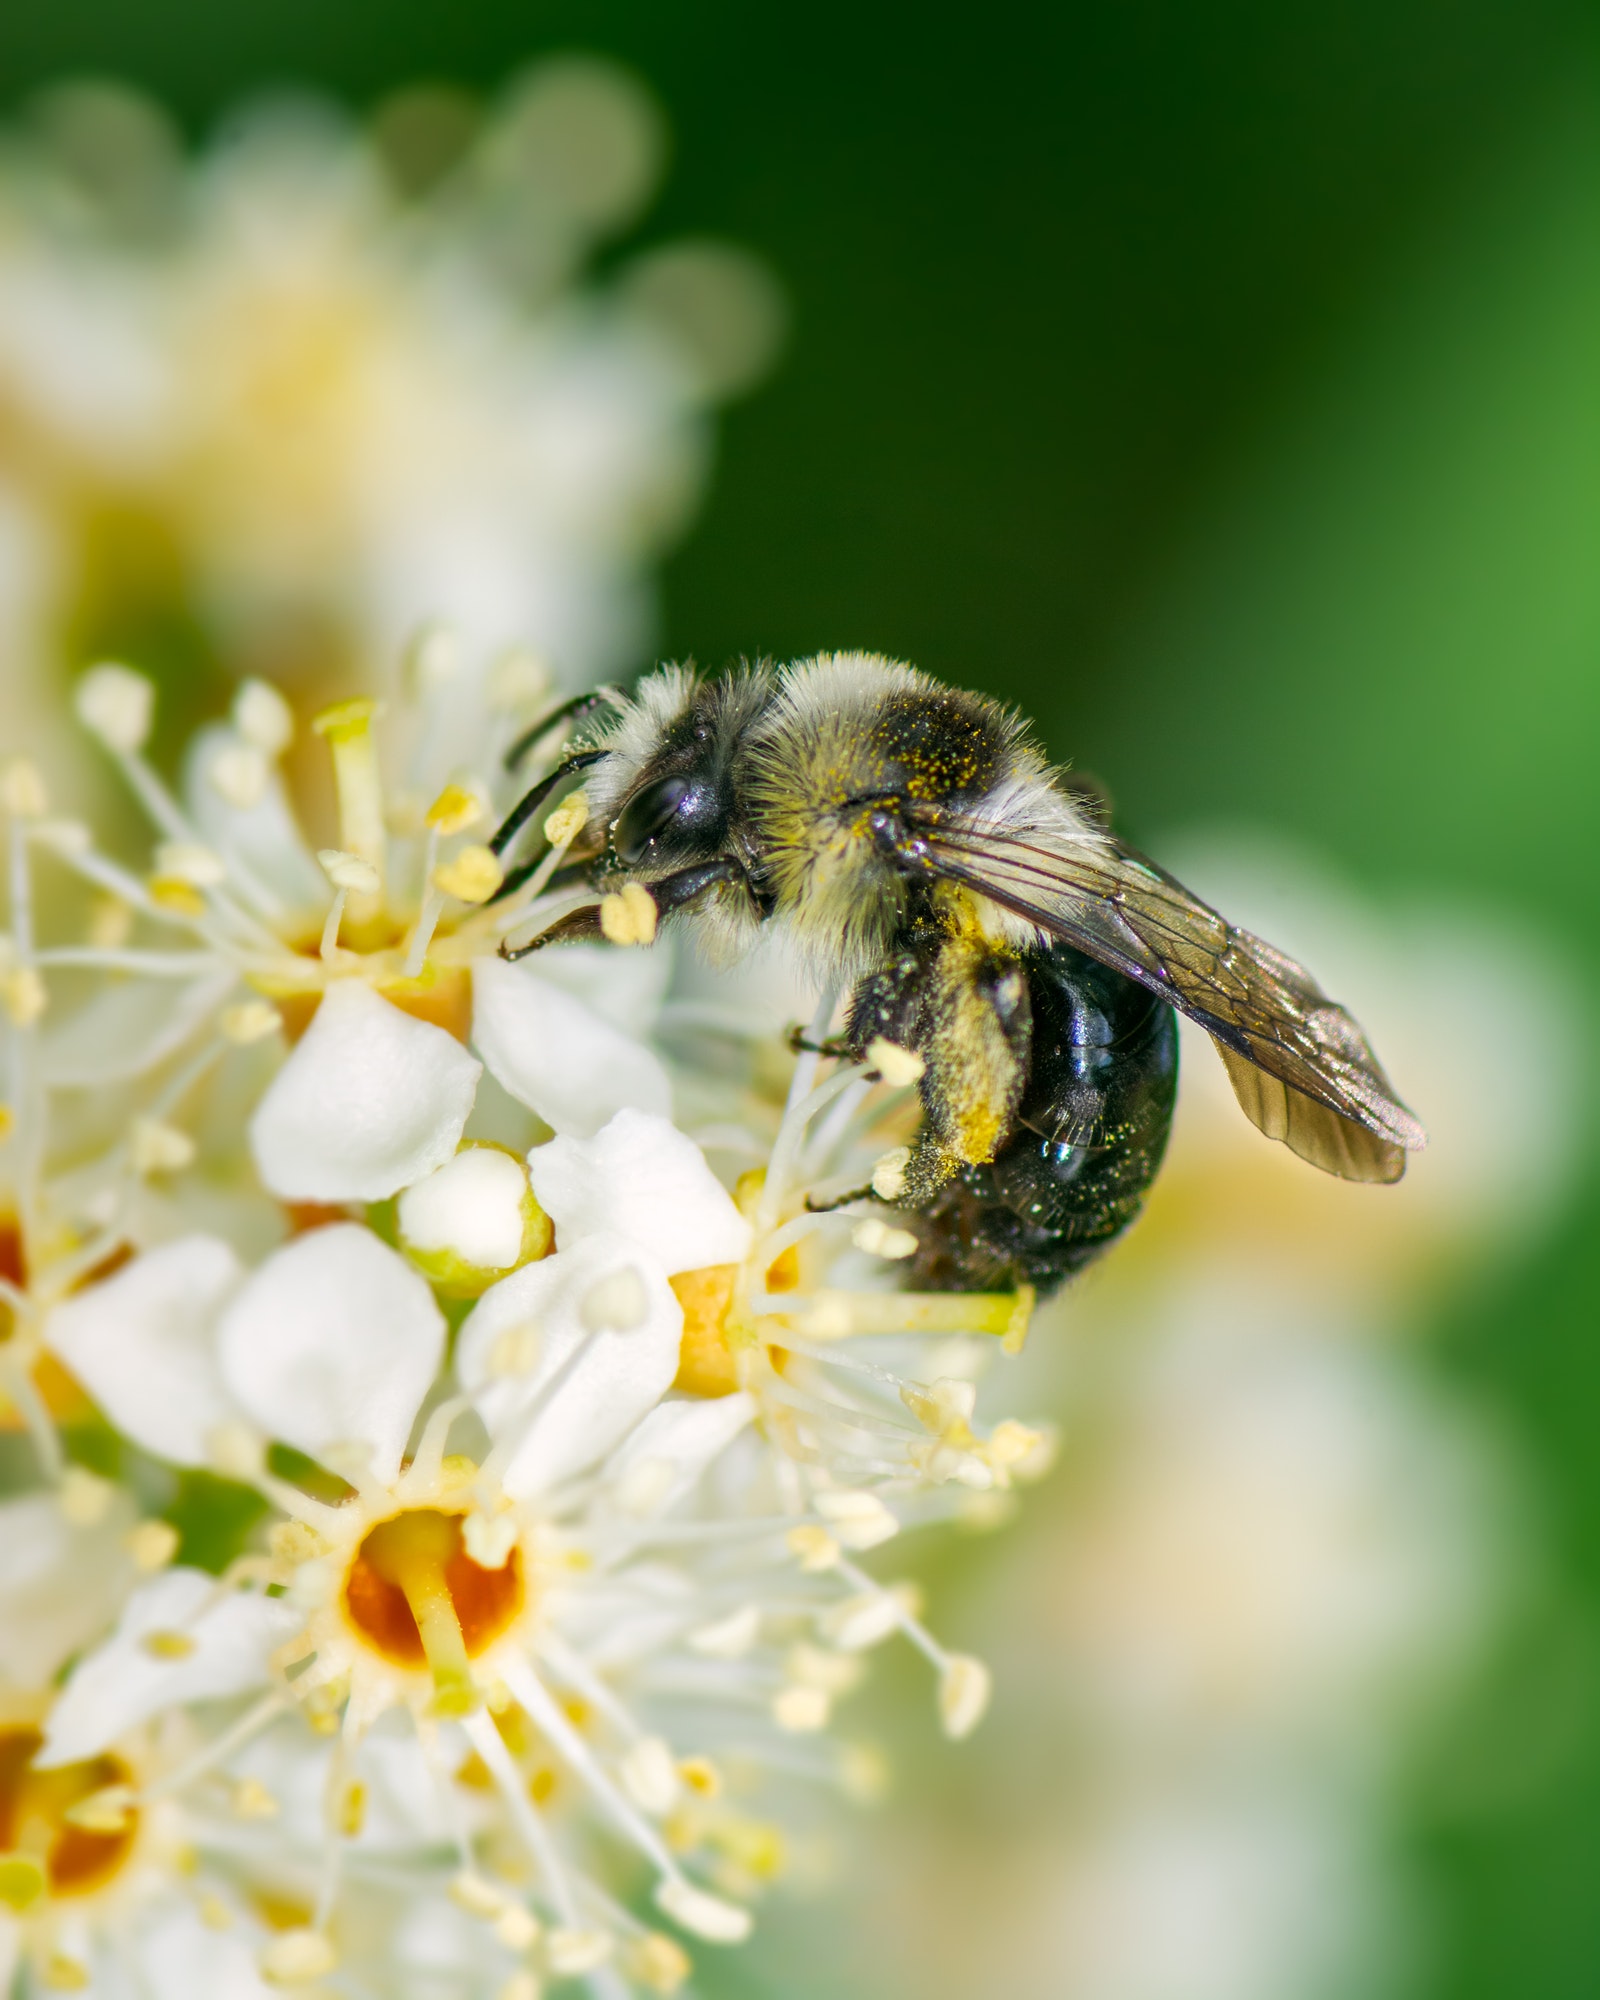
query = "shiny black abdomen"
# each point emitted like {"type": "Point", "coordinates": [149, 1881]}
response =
{"type": "Point", "coordinates": [1084, 1147]}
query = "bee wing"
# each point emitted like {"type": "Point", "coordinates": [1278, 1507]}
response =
{"type": "Point", "coordinates": [1300, 1066]}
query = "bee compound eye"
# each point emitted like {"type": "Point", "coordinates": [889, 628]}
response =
{"type": "Point", "coordinates": [649, 812]}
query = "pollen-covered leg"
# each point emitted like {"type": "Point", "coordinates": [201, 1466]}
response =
{"type": "Point", "coordinates": [957, 1005]}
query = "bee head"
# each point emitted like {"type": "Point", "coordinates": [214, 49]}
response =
{"type": "Point", "coordinates": [673, 770]}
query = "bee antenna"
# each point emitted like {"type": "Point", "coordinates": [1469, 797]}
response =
{"type": "Point", "coordinates": [530, 802]}
{"type": "Point", "coordinates": [576, 710]}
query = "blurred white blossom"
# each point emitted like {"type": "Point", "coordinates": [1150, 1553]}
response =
{"type": "Point", "coordinates": [270, 407]}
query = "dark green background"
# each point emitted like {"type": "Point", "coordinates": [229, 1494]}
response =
{"type": "Point", "coordinates": [1223, 382]}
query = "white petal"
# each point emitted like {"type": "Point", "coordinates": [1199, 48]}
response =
{"type": "Point", "coordinates": [625, 988]}
{"type": "Point", "coordinates": [370, 1101]}
{"type": "Point", "coordinates": [60, 1586]}
{"type": "Point", "coordinates": [557, 1055]}
{"type": "Point", "coordinates": [682, 1438]}
{"type": "Point", "coordinates": [334, 1341]}
{"type": "Point", "coordinates": [124, 1682]}
{"type": "Point", "coordinates": [640, 1177]}
{"type": "Point", "coordinates": [126, 1029]}
{"type": "Point", "coordinates": [598, 1383]}
{"type": "Point", "coordinates": [181, 1954]}
{"type": "Point", "coordinates": [142, 1343]}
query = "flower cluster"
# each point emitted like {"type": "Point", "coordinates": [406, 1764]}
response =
{"type": "Point", "coordinates": [270, 406]}
{"type": "Point", "coordinates": [464, 1397]}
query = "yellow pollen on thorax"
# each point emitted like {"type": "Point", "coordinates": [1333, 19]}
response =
{"type": "Point", "coordinates": [50, 1846]}
{"type": "Point", "coordinates": [416, 1598]}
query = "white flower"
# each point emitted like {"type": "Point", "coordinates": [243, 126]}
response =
{"type": "Point", "coordinates": [378, 965]}
{"type": "Point", "coordinates": [582, 1555]}
{"type": "Point", "coordinates": [105, 1874]}
{"type": "Point", "coordinates": [344, 392]}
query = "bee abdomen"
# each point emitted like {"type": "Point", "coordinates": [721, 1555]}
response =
{"type": "Point", "coordinates": [1084, 1144]}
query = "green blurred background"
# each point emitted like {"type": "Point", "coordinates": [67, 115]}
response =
{"type": "Point", "coordinates": [1222, 383]}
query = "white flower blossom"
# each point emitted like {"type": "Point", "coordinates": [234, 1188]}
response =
{"type": "Point", "coordinates": [616, 1587]}
{"type": "Point", "coordinates": [340, 377]}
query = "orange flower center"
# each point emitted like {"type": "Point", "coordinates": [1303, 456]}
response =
{"type": "Point", "coordinates": [416, 1597]}
{"type": "Point", "coordinates": [41, 1850]}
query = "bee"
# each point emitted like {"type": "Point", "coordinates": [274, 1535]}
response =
{"type": "Point", "coordinates": [1018, 958]}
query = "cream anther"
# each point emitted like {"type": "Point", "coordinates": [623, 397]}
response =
{"type": "Point", "coordinates": [263, 718]}
{"type": "Point", "coordinates": [117, 705]}
{"type": "Point", "coordinates": [880, 1239]}
{"type": "Point", "coordinates": [801, 1710]}
{"type": "Point", "coordinates": [346, 870]}
{"type": "Point", "coordinates": [729, 1638]}
{"type": "Point", "coordinates": [249, 1021]}
{"type": "Point", "coordinates": [568, 820]}
{"type": "Point", "coordinates": [889, 1173]}
{"type": "Point", "coordinates": [454, 810]}
{"type": "Point", "coordinates": [705, 1915]}
{"type": "Point", "coordinates": [298, 1957]}
{"type": "Point", "coordinates": [964, 1689]}
{"type": "Point", "coordinates": [22, 789]}
{"type": "Point", "coordinates": [152, 1544]}
{"type": "Point", "coordinates": [157, 1148]}
{"type": "Point", "coordinates": [489, 1540]}
{"type": "Point", "coordinates": [571, 1953]}
{"type": "Point", "coordinates": [650, 1776]}
{"type": "Point", "coordinates": [859, 1520]}
{"type": "Point", "coordinates": [629, 917]}
{"type": "Point", "coordinates": [435, 656]}
{"type": "Point", "coordinates": [471, 875]}
{"type": "Point", "coordinates": [897, 1066]}
{"type": "Point", "coordinates": [83, 1497]}
{"type": "Point", "coordinates": [187, 861]}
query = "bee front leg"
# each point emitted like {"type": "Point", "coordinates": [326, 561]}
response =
{"type": "Point", "coordinates": [683, 890]}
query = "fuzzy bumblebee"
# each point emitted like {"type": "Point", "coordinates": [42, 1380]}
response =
{"type": "Point", "coordinates": [910, 838]}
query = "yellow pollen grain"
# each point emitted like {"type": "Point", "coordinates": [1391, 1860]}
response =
{"type": "Point", "coordinates": [815, 1547]}
{"type": "Point", "coordinates": [105, 1811]}
{"type": "Point", "coordinates": [568, 820]}
{"type": "Point", "coordinates": [659, 1963]}
{"type": "Point", "coordinates": [250, 1799]}
{"type": "Point", "coordinates": [24, 997]}
{"type": "Point", "coordinates": [157, 1148]}
{"type": "Point", "coordinates": [298, 1957]}
{"type": "Point", "coordinates": [167, 1645]}
{"type": "Point", "coordinates": [84, 1497]}
{"type": "Point", "coordinates": [249, 1021]}
{"type": "Point", "coordinates": [701, 1777]}
{"type": "Point", "coordinates": [22, 1882]}
{"type": "Point", "coordinates": [352, 1815]}
{"type": "Point", "coordinates": [110, 923]}
{"type": "Point", "coordinates": [22, 789]}
{"type": "Point", "coordinates": [629, 917]}
{"type": "Point", "coordinates": [65, 1975]}
{"type": "Point", "coordinates": [454, 810]}
{"type": "Point", "coordinates": [152, 1545]}
{"type": "Point", "coordinates": [172, 893]}
{"type": "Point", "coordinates": [471, 875]}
